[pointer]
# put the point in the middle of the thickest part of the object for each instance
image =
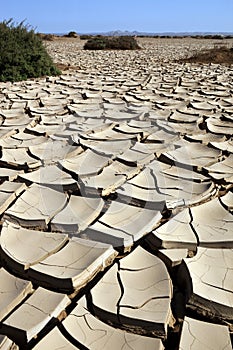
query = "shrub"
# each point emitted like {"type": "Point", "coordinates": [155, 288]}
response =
{"type": "Point", "coordinates": [85, 37]}
{"type": "Point", "coordinates": [114, 43]}
{"type": "Point", "coordinates": [96, 43]}
{"type": "Point", "coordinates": [124, 43]}
{"type": "Point", "coordinates": [72, 35]}
{"type": "Point", "coordinates": [217, 55]}
{"type": "Point", "coordinates": [22, 53]}
{"type": "Point", "coordinates": [46, 37]}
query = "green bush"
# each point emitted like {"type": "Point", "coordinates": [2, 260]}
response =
{"type": "Point", "coordinates": [96, 43]}
{"type": "Point", "coordinates": [22, 53]}
{"type": "Point", "coordinates": [114, 43]}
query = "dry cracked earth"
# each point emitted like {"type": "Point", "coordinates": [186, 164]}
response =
{"type": "Point", "coordinates": [116, 202]}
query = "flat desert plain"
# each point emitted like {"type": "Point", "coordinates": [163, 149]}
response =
{"type": "Point", "coordinates": [116, 201]}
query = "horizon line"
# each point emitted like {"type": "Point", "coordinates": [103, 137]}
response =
{"type": "Point", "coordinates": [146, 33]}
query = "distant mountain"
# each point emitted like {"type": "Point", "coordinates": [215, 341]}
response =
{"type": "Point", "coordinates": [137, 33]}
{"type": "Point", "coordinates": [122, 33]}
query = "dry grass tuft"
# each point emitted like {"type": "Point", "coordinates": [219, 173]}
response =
{"type": "Point", "coordinates": [219, 55]}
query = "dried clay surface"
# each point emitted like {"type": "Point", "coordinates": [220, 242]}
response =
{"type": "Point", "coordinates": [116, 201]}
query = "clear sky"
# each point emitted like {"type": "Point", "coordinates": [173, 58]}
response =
{"type": "Point", "coordinates": [86, 16]}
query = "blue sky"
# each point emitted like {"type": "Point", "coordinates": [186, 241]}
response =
{"type": "Point", "coordinates": [62, 16]}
